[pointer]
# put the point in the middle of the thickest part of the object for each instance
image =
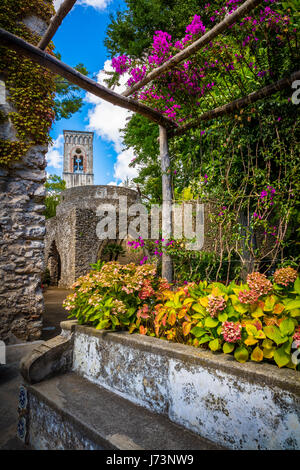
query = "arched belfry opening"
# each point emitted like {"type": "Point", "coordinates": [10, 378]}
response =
{"type": "Point", "coordinates": [54, 264]}
{"type": "Point", "coordinates": [78, 161]}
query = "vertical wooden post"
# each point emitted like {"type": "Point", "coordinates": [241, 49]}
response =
{"type": "Point", "coordinates": [167, 265]}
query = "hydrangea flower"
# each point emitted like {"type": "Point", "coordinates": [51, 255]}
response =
{"type": "Point", "coordinates": [231, 331]}
{"type": "Point", "coordinates": [259, 283]}
{"type": "Point", "coordinates": [285, 276]}
{"type": "Point", "coordinates": [248, 296]}
{"type": "Point", "coordinates": [296, 338]}
{"type": "Point", "coordinates": [216, 303]}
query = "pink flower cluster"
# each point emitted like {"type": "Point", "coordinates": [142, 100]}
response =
{"type": "Point", "coordinates": [196, 26]}
{"type": "Point", "coordinates": [161, 47]}
{"type": "Point", "coordinates": [231, 331]}
{"type": "Point", "coordinates": [143, 312]}
{"type": "Point", "coordinates": [190, 80]}
{"type": "Point", "coordinates": [121, 64]}
{"type": "Point", "coordinates": [270, 191]}
{"type": "Point", "coordinates": [135, 244]}
{"type": "Point", "coordinates": [136, 75]}
{"type": "Point", "coordinates": [285, 276]}
{"type": "Point", "coordinates": [296, 337]}
{"type": "Point", "coordinates": [259, 283]}
{"type": "Point", "coordinates": [224, 208]}
{"type": "Point", "coordinates": [146, 290]}
{"type": "Point", "coordinates": [248, 296]}
{"type": "Point", "coordinates": [216, 303]}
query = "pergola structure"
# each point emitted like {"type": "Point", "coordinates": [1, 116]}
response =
{"type": "Point", "coordinates": [167, 128]}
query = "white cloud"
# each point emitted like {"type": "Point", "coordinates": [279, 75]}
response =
{"type": "Point", "coordinates": [106, 120]}
{"type": "Point", "coordinates": [122, 168]}
{"type": "Point", "coordinates": [97, 4]}
{"type": "Point", "coordinates": [54, 156]}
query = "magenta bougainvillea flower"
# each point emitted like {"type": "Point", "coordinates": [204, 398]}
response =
{"type": "Point", "coordinates": [231, 331]}
{"type": "Point", "coordinates": [285, 276]}
{"type": "Point", "coordinates": [121, 64]}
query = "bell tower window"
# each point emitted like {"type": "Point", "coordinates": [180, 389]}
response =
{"type": "Point", "coordinates": [78, 161]}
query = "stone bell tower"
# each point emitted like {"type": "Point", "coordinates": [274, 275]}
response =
{"type": "Point", "coordinates": [78, 158]}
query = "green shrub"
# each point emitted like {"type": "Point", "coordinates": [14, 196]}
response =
{"type": "Point", "coordinates": [110, 297]}
{"type": "Point", "coordinates": [258, 320]}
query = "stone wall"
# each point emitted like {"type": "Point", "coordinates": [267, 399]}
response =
{"type": "Point", "coordinates": [61, 234]}
{"type": "Point", "coordinates": [240, 406]}
{"type": "Point", "coordinates": [22, 230]}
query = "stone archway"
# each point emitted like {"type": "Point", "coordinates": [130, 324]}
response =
{"type": "Point", "coordinates": [54, 264]}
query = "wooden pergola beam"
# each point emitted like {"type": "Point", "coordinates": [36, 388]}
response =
{"type": "Point", "coordinates": [236, 104]}
{"type": "Point", "coordinates": [54, 65]}
{"type": "Point", "coordinates": [245, 8]}
{"type": "Point", "coordinates": [55, 23]}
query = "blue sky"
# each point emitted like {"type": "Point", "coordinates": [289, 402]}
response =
{"type": "Point", "coordinates": [80, 39]}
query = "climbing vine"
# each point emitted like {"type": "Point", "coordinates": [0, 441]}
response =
{"type": "Point", "coordinates": [29, 87]}
{"type": "Point", "coordinates": [245, 164]}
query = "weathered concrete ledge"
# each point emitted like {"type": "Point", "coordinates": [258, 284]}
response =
{"type": "Point", "coordinates": [241, 406]}
{"type": "Point", "coordinates": [48, 358]}
{"type": "Point", "coordinates": [54, 418]}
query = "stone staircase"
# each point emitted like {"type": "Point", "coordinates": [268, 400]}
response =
{"type": "Point", "coordinates": [69, 412]}
{"type": "Point", "coordinates": [93, 389]}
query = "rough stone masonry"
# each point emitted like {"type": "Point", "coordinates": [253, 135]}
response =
{"type": "Point", "coordinates": [22, 231]}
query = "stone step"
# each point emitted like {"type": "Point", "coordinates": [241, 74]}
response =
{"type": "Point", "coordinates": [69, 412]}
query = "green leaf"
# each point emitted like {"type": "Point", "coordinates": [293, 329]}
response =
{"type": "Point", "coordinates": [297, 285]}
{"type": "Point", "coordinates": [197, 331]}
{"type": "Point", "coordinates": [257, 354]}
{"type": "Point", "coordinates": [281, 357]}
{"type": "Point", "coordinates": [241, 354]}
{"type": "Point", "coordinates": [211, 322]}
{"type": "Point", "coordinates": [204, 339]}
{"type": "Point", "coordinates": [198, 308]}
{"type": "Point", "coordinates": [103, 324]}
{"type": "Point", "coordinates": [228, 348]}
{"type": "Point", "coordinates": [273, 332]}
{"type": "Point", "coordinates": [287, 326]}
{"type": "Point", "coordinates": [240, 308]}
{"type": "Point", "coordinates": [269, 303]}
{"type": "Point", "coordinates": [222, 317]}
{"type": "Point", "coordinates": [292, 305]}
{"type": "Point", "coordinates": [295, 313]}
{"type": "Point", "coordinates": [214, 345]}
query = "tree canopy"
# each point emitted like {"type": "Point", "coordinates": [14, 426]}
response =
{"type": "Point", "coordinates": [246, 163]}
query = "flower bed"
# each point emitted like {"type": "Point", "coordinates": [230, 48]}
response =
{"type": "Point", "coordinates": [258, 320]}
